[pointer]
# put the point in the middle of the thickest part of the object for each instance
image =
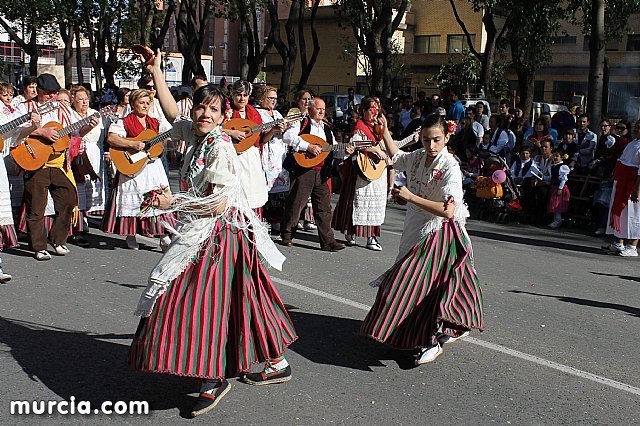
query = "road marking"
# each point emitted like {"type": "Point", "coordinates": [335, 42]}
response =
{"type": "Point", "coordinates": [492, 346]}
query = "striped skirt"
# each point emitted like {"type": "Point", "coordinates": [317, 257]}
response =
{"type": "Point", "coordinates": [342, 220]}
{"type": "Point", "coordinates": [47, 222]}
{"type": "Point", "coordinates": [8, 237]}
{"type": "Point", "coordinates": [132, 225]}
{"type": "Point", "coordinates": [434, 288]}
{"type": "Point", "coordinates": [220, 316]}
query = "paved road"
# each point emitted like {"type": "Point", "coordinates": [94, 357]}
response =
{"type": "Point", "coordinates": [560, 346]}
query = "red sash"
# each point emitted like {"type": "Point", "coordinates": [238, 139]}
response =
{"type": "Point", "coordinates": [367, 129]}
{"type": "Point", "coordinates": [625, 179]}
{"type": "Point", "coordinates": [133, 127]}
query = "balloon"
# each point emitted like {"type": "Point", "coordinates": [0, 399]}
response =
{"type": "Point", "coordinates": [499, 176]}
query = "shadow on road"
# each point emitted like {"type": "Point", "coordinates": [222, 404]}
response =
{"type": "Point", "coordinates": [624, 277]}
{"type": "Point", "coordinates": [336, 341]}
{"type": "Point", "coordinates": [74, 363]}
{"type": "Point", "coordinates": [586, 302]}
{"type": "Point", "coordinates": [533, 242]}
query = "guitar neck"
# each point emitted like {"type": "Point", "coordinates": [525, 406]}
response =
{"type": "Point", "coordinates": [157, 139]}
{"type": "Point", "coordinates": [77, 125]}
{"type": "Point", "coordinates": [15, 123]}
{"type": "Point", "coordinates": [404, 142]}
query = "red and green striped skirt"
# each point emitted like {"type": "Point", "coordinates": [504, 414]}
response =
{"type": "Point", "coordinates": [342, 220]}
{"type": "Point", "coordinates": [433, 289]}
{"type": "Point", "coordinates": [132, 225]}
{"type": "Point", "coordinates": [8, 237]}
{"type": "Point", "coordinates": [220, 316]}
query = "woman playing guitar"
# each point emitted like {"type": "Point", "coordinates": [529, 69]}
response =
{"type": "Point", "coordinates": [121, 215]}
{"type": "Point", "coordinates": [361, 207]}
{"type": "Point", "coordinates": [249, 161]}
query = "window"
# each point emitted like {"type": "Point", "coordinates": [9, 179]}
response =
{"type": "Point", "coordinates": [565, 39]}
{"type": "Point", "coordinates": [612, 45]}
{"type": "Point", "coordinates": [456, 43]}
{"type": "Point", "coordinates": [427, 44]}
{"type": "Point", "coordinates": [633, 42]}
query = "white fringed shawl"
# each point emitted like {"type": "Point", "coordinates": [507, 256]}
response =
{"type": "Point", "coordinates": [198, 222]}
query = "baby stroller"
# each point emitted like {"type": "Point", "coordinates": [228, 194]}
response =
{"type": "Point", "coordinates": [496, 194]}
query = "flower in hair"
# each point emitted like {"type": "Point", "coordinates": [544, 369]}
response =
{"type": "Point", "coordinates": [451, 126]}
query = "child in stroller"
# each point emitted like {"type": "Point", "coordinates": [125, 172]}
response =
{"type": "Point", "coordinates": [496, 194]}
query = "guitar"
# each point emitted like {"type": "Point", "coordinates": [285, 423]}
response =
{"type": "Point", "coordinates": [17, 122]}
{"type": "Point", "coordinates": [35, 151]}
{"type": "Point", "coordinates": [304, 160]}
{"type": "Point", "coordinates": [371, 167]}
{"type": "Point", "coordinates": [253, 130]}
{"type": "Point", "coordinates": [130, 161]}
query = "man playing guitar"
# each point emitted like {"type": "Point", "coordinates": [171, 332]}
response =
{"type": "Point", "coordinates": [314, 181]}
{"type": "Point", "coordinates": [54, 177]}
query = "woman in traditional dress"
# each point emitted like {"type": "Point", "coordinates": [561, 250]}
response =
{"type": "Point", "coordinates": [252, 175]}
{"type": "Point", "coordinates": [91, 191]}
{"type": "Point", "coordinates": [210, 309]}
{"type": "Point", "coordinates": [274, 151]}
{"type": "Point", "coordinates": [361, 207]}
{"type": "Point", "coordinates": [8, 237]}
{"type": "Point", "coordinates": [122, 213]}
{"type": "Point", "coordinates": [431, 295]}
{"type": "Point", "coordinates": [624, 209]}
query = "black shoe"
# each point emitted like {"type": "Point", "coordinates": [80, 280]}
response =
{"type": "Point", "coordinates": [79, 241]}
{"type": "Point", "coordinates": [206, 401]}
{"type": "Point", "coordinates": [263, 378]}
{"type": "Point", "coordinates": [333, 247]}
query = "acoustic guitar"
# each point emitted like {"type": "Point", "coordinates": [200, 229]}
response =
{"type": "Point", "coordinates": [17, 122]}
{"type": "Point", "coordinates": [305, 160]}
{"type": "Point", "coordinates": [253, 130]}
{"type": "Point", "coordinates": [371, 167]}
{"type": "Point", "coordinates": [35, 151]}
{"type": "Point", "coordinates": [130, 161]}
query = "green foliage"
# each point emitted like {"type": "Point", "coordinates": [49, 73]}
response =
{"type": "Point", "coordinates": [532, 31]}
{"type": "Point", "coordinates": [463, 71]}
{"type": "Point", "coordinates": [616, 16]}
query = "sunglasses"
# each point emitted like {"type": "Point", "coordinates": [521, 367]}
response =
{"type": "Point", "coordinates": [621, 128]}
{"type": "Point", "coordinates": [150, 87]}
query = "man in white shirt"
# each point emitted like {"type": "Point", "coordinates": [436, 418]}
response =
{"type": "Point", "coordinates": [313, 181]}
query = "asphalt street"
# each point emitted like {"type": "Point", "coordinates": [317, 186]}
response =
{"type": "Point", "coordinates": [561, 344]}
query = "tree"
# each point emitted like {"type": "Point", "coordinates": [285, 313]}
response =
{"type": "Point", "coordinates": [307, 65]}
{"type": "Point", "coordinates": [602, 20]}
{"type": "Point", "coordinates": [192, 17]}
{"type": "Point", "coordinates": [252, 52]}
{"type": "Point", "coordinates": [373, 24]}
{"type": "Point", "coordinates": [530, 35]}
{"type": "Point", "coordinates": [487, 58]}
{"type": "Point", "coordinates": [32, 17]}
{"type": "Point", "coordinates": [66, 14]}
{"type": "Point", "coordinates": [464, 70]}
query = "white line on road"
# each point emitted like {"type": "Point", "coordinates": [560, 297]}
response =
{"type": "Point", "coordinates": [492, 346]}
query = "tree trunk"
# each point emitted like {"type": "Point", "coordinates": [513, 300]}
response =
{"type": "Point", "coordinates": [307, 66]}
{"type": "Point", "coordinates": [244, 45]}
{"type": "Point", "coordinates": [76, 30]}
{"type": "Point", "coordinates": [597, 50]}
{"type": "Point", "coordinates": [66, 33]}
{"type": "Point", "coordinates": [33, 52]}
{"type": "Point", "coordinates": [605, 86]}
{"type": "Point", "coordinates": [289, 62]}
{"type": "Point", "coordinates": [526, 85]}
{"type": "Point", "coordinates": [191, 21]}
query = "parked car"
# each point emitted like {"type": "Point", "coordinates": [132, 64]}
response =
{"type": "Point", "coordinates": [537, 108]}
{"type": "Point", "coordinates": [337, 105]}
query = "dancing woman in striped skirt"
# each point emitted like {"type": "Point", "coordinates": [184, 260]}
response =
{"type": "Point", "coordinates": [210, 309]}
{"type": "Point", "coordinates": [431, 295]}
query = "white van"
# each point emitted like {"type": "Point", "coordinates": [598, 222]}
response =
{"type": "Point", "coordinates": [537, 108]}
{"type": "Point", "coordinates": [337, 105]}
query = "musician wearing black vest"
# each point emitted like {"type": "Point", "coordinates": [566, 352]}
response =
{"type": "Point", "coordinates": [313, 181]}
